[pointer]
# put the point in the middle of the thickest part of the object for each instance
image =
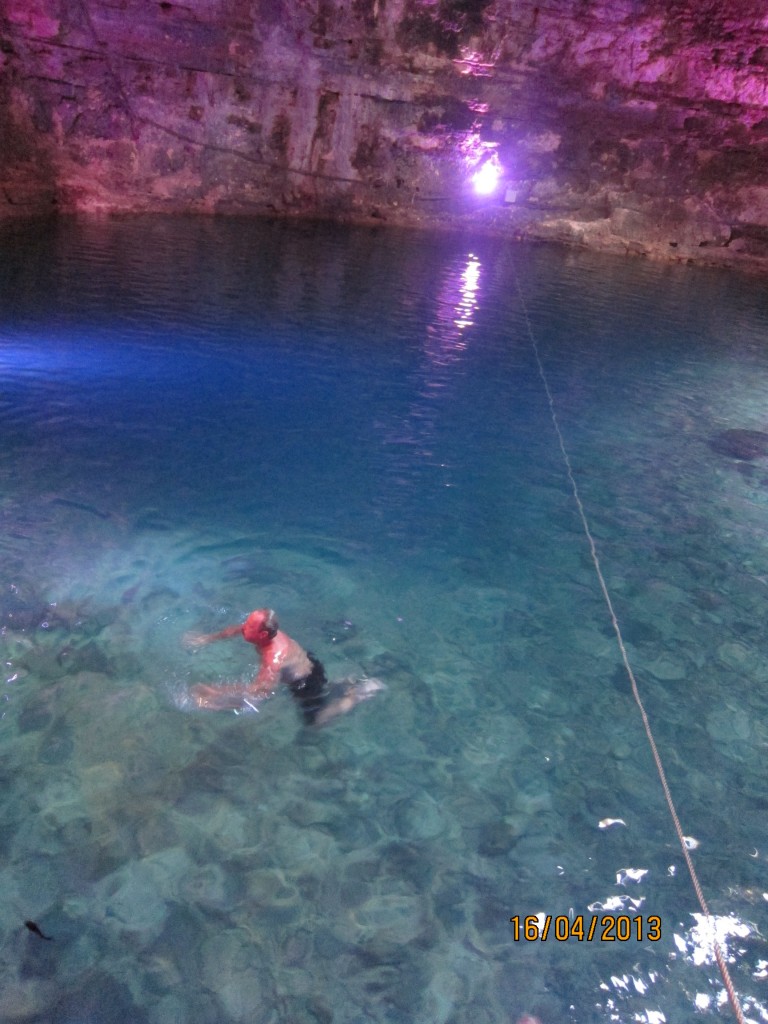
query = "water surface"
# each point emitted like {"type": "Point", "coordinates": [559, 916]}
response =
{"type": "Point", "coordinates": [202, 417]}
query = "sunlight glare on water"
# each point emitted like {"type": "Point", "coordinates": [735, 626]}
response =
{"type": "Point", "coordinates": [203, 417]}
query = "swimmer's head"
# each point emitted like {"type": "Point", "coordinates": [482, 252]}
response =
{"type": "Point", "coordinates": [260, 627]}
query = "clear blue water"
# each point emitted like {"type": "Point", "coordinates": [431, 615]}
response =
{"type": "Point", "coordinates": [202, 417]}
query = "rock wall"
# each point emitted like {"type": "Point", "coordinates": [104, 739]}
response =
{"type": "Point", "coordinates": [634, 125]}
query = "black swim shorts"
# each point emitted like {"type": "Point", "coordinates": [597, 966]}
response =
{"type": "Point", "coordinates": [311, 691]}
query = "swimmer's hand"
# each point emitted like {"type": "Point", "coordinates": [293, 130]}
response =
{"type": "Point", "coordinates": [223, 698]}
{"type": "Point", "coordinates": [194, 641]}
{"type": "Point", "coordinates": [205, 696]}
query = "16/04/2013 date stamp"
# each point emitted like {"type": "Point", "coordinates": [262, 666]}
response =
{"type": "Point", "coordinates": [605, 928]}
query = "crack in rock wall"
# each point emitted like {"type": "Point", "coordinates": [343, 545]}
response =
{"type": "Point", "coordinates": [629, 125]}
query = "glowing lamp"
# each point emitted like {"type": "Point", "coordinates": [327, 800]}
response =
{"type": "Point", "coordinates": [485, 180]}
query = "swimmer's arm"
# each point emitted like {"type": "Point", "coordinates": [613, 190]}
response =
{"type": "Point", "coordinates": [265, 682]}
{"type": "Point", "coordinates": [194, 640]}
{"type": "Point", "coordinates": [234, 696]}
{"type": "Point", "coordinates": [222, 698]}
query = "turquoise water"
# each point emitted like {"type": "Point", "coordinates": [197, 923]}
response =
{"type": "Point", "coordinates": [200, 418]}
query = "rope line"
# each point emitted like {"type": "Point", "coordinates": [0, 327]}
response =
{"type": "Point", "coordinates": [720, 959]}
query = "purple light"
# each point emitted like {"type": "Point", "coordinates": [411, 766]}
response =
{"type": "Point", "coordinates": [485, 179]}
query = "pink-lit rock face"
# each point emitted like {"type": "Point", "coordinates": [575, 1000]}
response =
{"type": "Point", "coordinates": [633, 125]}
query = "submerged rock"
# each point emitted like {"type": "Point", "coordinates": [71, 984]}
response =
{"type": "Point", "coordinates": [339, 631]}
{"type": "Point", "coordinates": [496, 839]}
{"type": "Point", "coordinates": [136, 898]}
{"type": "Point", "coordinates": [28, 998]}
{"type": "Point", "coordinates": [744, 445]}
{"type": "Point", "coordinates": [207, 887]}
{"type": "Point", "coordinates": [393, 917]}
{"type": "Point", "coordinates": [667, 668]}
{"type": "Point", "coordinates": [731, 726]}
{"type": "Point", "coordinates": [419, 817]}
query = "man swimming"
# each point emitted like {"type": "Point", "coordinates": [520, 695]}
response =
{"type": "Point", "coordinates": [283, 660]}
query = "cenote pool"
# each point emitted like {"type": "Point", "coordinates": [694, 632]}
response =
{"type": "Point", "coordinates": [200, 418]}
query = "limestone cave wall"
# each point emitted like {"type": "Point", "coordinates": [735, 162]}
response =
{"type": "Point", "coordinates": [634, 125]}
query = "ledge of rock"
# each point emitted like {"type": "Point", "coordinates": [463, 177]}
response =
{"type": "Point", "coordinates": [613, 124]}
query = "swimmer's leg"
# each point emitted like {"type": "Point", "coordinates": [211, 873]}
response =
{"type": "Point", "coordinates": [344, 696]}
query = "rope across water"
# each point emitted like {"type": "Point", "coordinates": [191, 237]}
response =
{"type": "Point", "coordinates": [720, 959]}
